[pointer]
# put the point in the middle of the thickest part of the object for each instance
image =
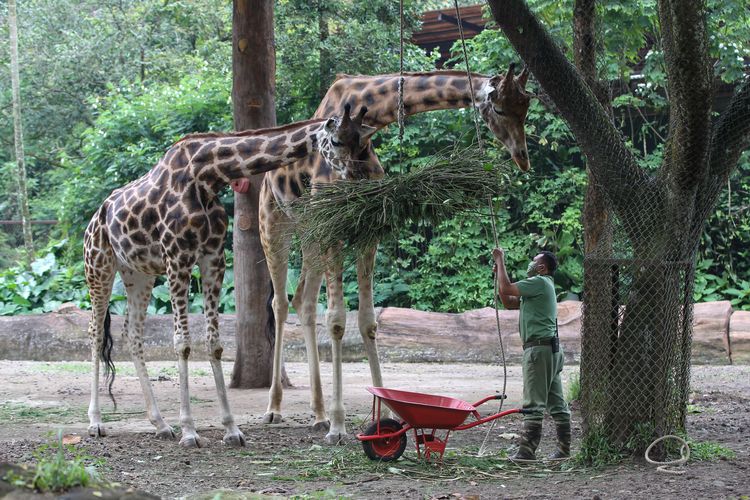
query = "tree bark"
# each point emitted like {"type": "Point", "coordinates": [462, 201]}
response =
{"type": "Point", "coordinates": [253, 89]}
{"type": "Point", "coordinates": [23, 197]}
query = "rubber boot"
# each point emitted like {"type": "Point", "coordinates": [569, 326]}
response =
{"type": "Point", "coordinates": [563, 442]}
{"type": "Point", "coordinates": [532, 433]}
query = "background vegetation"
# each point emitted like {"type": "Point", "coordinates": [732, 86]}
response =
{"type": "Point", "coordinates": [107, 86]}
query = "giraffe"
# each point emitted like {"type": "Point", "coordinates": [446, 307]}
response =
{"type": "Point", "coordinates": [171, 219]}
{"type": "Point", "coordinates": [501, 101]}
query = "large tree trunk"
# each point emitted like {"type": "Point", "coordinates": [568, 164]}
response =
{"type": "Point", "coordinates": [645, 300]}
{"type": "Point", "coordinates": [23, 198]}
{"type": "Point", "coordinates": [254, 73]}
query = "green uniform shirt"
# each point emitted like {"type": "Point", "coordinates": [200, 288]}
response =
{"type": "Point", "coordinates": [538, 318]}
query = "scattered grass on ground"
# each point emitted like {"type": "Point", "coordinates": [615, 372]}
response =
{"type": "Point", "coordinates": [14, 412]}
{"type": "Point", "coordinates": [124, 368]}
{"type": "Point", "coordinates": [22, 412]}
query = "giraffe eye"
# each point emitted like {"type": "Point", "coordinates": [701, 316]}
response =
{"type": "Point", "coordinates": [335, 143]}
{"type": "Point", "coordinates": [498, 110]}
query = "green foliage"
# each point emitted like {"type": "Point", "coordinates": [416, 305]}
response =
{"type": "Point", "coordinates": [705, 451]}
{"type": "Point", "coordinates": [107, 90]}
{"type": "Point", "coordinates": [55, 472]}
{"type": "Point", "coordinates": [597, 451]}
{"type": "Point", "coordinates": [42, 288]}
{"type": "Point", "coordinates": [573, 387]}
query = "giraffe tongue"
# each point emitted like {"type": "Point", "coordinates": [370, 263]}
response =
{"type": "Point", "coordinates": [241, 185]}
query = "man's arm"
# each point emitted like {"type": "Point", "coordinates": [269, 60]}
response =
{"type": "Point", "coordinates": [509, 301]}
{"type": "Point", "coordinates": [508, 292]}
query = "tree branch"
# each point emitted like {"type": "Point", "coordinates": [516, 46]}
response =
{"type": "Point", "coordinates": [731, 137]}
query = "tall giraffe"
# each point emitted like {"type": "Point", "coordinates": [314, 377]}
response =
{"type": "Point", "coordinates": [502, 103]}
{"type": "Point", "coordinates": [171, 219]}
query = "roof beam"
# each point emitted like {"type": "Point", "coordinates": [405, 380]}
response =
{"type": "Point", "coordinates": [446, 18]}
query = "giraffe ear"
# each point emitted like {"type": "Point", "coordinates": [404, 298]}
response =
{"type": "Point", "coordinates": [365, 132]}
{"type": "Point", "coordinates": [330, 125]}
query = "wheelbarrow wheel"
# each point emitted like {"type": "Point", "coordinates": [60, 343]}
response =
{"type": "Point", "coordinates": [385, 449]}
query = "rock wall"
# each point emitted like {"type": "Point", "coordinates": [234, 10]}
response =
{"type": "Point", "coordinates": [720, 335]}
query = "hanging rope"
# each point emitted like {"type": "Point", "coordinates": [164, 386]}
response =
{"type": "Point", "coordinates": [401, 114]}
{"type": "Point", "coordinates": [482, 448]}
{"type": "Point", "coordinates": [468, 75]}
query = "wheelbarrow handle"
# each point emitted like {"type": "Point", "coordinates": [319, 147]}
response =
{"type": "Point", "coordinates": [490, 398]}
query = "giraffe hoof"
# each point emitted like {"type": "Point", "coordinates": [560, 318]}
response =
{"type": "Point", "coordinates": [167, 434]}
{"type": "Point", "coordinates": [324, 425]}
{"type": "Point", "coordinates": [236, 440]}
{"type": "Point", "coordinates": [336, 438]}
{"type": "Point", "coordinates": [193, 441]}
{"type": "Point", "coordinates": [272, 418]}
{"type": "Point", "coordinates": [97, 430]}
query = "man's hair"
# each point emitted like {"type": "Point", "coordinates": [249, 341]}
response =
{"type": "Point", "coordinates": [550, 261]}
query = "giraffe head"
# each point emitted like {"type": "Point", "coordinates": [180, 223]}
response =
{"type": "Point", "coordinates": [343, 140]}
{"type": "Point", "coordinates": [503, 106]}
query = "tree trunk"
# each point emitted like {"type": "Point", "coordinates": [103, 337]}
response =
{"type": "Point", "coordinates": [23, 197]}
{"type": "Point", "coordinates": [254, 72]}
{"type": "Point", "coordinates": [644, 298]}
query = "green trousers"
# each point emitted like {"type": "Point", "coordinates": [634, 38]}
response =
{"type": "Point", "coordinates": [542, 386]}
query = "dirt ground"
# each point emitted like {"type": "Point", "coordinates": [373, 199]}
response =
{"type": "Point", "coordinates": [290, 460]}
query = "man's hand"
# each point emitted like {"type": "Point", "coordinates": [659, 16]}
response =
{"type": "Point", "coordinates": [498, 254]}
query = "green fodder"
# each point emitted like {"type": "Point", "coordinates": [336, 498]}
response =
{"type": "Point", "coordinates": [360, 213]}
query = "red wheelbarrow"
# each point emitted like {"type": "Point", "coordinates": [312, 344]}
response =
{"type": "Point", "coordinates": [425, 414]}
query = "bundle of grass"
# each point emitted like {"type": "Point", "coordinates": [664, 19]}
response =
{"type": "Point", "coordinates": [361, 213]}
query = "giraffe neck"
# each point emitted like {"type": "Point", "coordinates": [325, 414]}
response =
{"type": "Point", "coordinates": [217, 159]}
{"type": "Point", "coordinates": [422, 92]}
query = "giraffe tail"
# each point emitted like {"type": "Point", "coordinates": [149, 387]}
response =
{"type": "Point", "coordinates": [106, 355]}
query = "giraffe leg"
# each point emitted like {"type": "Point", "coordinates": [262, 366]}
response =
{"type": "Point", "coordinates": [336, 324]}
{"type": "Point", "coordinates": [179, 283]}
{"type": "Point", "coordinates": [212, 275]}
{"type": "Point", "coordinates": [276, 248]}
{"type": "Point", "coordinates": [99, 267]}
{"type": "Point", "coordinates": [308, 315]}
{"type": "Point", "coordinates": [368, 326]}
{"type": "Point", "coordinates": [138, 287]}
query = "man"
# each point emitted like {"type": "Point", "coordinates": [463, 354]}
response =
{"type": "Point", "coordinates": [542, 358]}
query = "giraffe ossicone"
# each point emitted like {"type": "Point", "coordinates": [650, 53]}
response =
{"type": "Point", "coordinates": [503, 104]}
{"type": "Point", "coordinates": [170, 220]}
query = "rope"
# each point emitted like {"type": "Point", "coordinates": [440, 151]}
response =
{"type": "Point", "coordinates": [468, 75]}
{"type": "Point", "coordinates": [663, 466]}
{"type": "Point", "coordinates": [401, 114]}
{"type": "Point", "coordinates": [483, 448]}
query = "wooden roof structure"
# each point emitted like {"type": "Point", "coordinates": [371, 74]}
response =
{"type": "Point", "coordinates": [440, 29]}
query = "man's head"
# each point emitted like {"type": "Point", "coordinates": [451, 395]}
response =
{"type": "Point", "coordinates": [544, 263]}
